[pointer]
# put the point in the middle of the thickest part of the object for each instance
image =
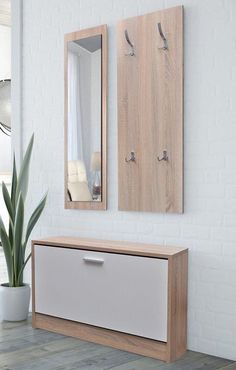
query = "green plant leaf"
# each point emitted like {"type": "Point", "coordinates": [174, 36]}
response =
{"type": "Point", "coordinates": [20, 275]}
{"type": "Point", "coordinates": [13, 195]}
{"type": "Point", "coordinates": [23, 179]}
{"type": "Point", "coordinates": [13, 246]}
{"type": "Point", "coordinates": [14, 184]}
{"type": "Point", "coordinates": [10, 231]}
{"type": "Point", "coordinates": [18, 232]}
{"type": "Point", "coordinates": [7, 252]}
{"type": "Point", "coordinates": [7, 200]}
{"type": "Point", "coordinates": [10, 209]}
{"type": "Point", "coordinates": [34, 218]}
{"type": "Point", "coordinates": [2, 226]}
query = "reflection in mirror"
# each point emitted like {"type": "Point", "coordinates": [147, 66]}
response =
{"type": "Point", "coordinates": [84, 119]}
{"type": "Point", "coordinates": [5, 107]}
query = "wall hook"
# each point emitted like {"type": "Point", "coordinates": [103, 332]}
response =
{"type": "Point", "coordinates": [165, 47]}
{"type": "Point", "coordinates": [131, 158]}
{"type": "Point", "coordinates": [131, 53]}
{"type": "Point", "coordinates": [164, 156]}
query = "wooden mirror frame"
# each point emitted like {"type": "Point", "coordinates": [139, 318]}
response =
{"type": "Point", "coordinates": [88, 205]}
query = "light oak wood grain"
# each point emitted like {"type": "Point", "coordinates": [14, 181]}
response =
{"type": "Point", "coordinates": [93, 205]}
{"type": "Point", "coordinates": [112, 246]}
{"type": "Point", "coordinates": [150, 112]}
{"type": "Point", "coordinates": [177, 306]}
{"type": "Point", "coordinates": [126, 342]}
{"type": "Point", "coordinates": [33, 285]}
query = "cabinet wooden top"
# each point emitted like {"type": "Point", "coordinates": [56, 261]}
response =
{"type": "Point", "coordinates": [140, 249]}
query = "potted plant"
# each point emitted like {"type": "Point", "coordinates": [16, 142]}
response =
{"type": "Point", "coordinates": [15, 295]}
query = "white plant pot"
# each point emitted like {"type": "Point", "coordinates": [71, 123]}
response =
{"type": "Point", "coordinates": [14, 302]}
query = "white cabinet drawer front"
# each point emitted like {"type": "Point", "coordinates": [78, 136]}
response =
{"type": "Point", "coordinates": [114, 291]}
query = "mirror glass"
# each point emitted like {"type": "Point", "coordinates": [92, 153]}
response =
{"type": "Point", "coordinates": [5, 106]}
{"type": "Point", "coordinates": [84, 119]}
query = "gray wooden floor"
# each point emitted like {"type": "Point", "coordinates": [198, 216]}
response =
{"type": "Point", "coordinates": [23, 348]}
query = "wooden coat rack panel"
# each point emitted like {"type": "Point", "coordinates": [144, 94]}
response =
{"type": "Point", "coordinates": [150, 112]}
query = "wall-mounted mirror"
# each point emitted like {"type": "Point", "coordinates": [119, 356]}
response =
{"type": "Point", "coordinates": [85, 118]}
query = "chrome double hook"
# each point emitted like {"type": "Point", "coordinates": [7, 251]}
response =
{"type": "Point", "coordinates": [131, 53]}
{"type": "Point", "coordinates": [131, 45]}
{"type": "Point", "coordinates": [131, 158]}
{"type": "Point", "coordinates": [165, 47]}
{"type": "Point", "coordinates": [164, 156]}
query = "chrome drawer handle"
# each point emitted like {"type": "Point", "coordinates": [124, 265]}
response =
{"type": "Point", "coordinates": [98, 261]}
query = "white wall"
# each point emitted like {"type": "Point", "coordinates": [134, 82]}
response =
{"type": "Point", "coordinates": [208, 226]}
{"type": "Point", "coordinates": [5, 72]}
{"type": "Point", "coordinates": [5, 153]}
{"type": "Point", "coordinates": [5, 52]}
{"type": "Point", "coordinates": [5, 141]}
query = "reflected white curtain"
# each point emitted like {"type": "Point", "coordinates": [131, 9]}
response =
{"type": "Point", "coordinates": [75, 142]}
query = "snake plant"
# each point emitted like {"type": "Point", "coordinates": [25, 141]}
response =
{"type": "Point", "coordinates": [14, 242]}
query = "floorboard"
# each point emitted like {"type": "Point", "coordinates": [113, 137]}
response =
{"type": "Point", "coordinates": [24, 348]}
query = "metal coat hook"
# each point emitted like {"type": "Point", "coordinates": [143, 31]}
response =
{"type": "Point", "coordinates": [164, 156]}
{"type": "Point", "coordinates": [131, 53]}
{"type": "Point", "coordinates": [165, 47]}
{"type": "Point", "coordinates": [131, 158]}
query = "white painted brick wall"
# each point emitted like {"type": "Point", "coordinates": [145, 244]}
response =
{"type": "Point", "coordinates": [4, 215]}
{"type": "Point", "coordinates": [208, 226]}
{"type": "Point", "coordinates": [3, 268]}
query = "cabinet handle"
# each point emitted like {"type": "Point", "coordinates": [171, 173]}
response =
{"type": "Point", "coordinates": [98, 261]}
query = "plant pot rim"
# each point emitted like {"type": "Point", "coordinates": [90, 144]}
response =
{"type": "Point", "coordinates": [5, 285]}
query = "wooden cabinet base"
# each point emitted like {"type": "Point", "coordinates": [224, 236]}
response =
{"type": "Point", "coordinates": [160, 272]}
{"type": "Point", "coordinates": [122, 341]}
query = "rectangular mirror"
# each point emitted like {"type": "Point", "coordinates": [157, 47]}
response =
{"type": "Point", "coordinates": [85, 118]}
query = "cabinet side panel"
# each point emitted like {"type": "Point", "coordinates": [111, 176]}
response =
{"type": "Point", "coordinates": [33, 283]}
{"type": "Point", "coordinates": [177, 306]}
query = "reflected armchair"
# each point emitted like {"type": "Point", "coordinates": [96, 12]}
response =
{"type": "Point", "coordinates": [78, 189]}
